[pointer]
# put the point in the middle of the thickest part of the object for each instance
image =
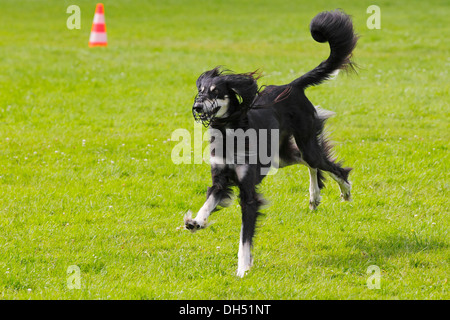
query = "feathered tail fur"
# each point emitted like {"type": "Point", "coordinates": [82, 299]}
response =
{"type": "Point", "coordinates": [336, 28]}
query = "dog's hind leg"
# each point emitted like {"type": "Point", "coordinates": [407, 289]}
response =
{"type": "Point", "coordinates": [335, 169]}
{"type": "Point", "coordinates": [317, 156]}
{"type": "Point", "coordinates": [345, 187]}
{"type": "Point", "coordinates": [314, 189]}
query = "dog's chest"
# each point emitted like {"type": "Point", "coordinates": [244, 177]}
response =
{"type": "Point", "coordinates": [230, 147]}
{"type": "Point", "coordinates": [228, 161]}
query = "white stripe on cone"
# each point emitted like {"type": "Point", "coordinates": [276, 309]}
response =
{"type": "Point", "coordinates": [97, 37]}
{"type": "Point", "coordinates": [99, 18]}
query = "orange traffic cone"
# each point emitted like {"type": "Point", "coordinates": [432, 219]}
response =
{"type": "Point", "coordinates": [98, 31]}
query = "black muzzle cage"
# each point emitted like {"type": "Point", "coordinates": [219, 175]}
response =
{"type": "Point", "coordinates": [206, 116]}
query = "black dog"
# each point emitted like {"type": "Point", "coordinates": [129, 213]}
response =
{"type": "Point", "coordinates": [228, 102]}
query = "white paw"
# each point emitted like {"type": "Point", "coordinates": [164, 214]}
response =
{"type": "Point", "coordinates": [245, 260]}
{"type": "Point", "coordinates": [345, 191]}
{"type": "Point", "coordinates": [314, 202]}
{"type": "Point", "coordinates": [242, 271]}
{"type": "Point", "coordinates": [192, 224]}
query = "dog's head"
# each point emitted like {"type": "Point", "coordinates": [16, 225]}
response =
{"type": "Point", "coordinates": [222, 93]}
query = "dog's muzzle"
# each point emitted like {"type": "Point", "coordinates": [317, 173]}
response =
{"type": "Point", "coordinates": [205, 110]}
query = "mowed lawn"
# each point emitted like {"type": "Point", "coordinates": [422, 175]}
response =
{"type": "Point", "coordinates": [87, 179]}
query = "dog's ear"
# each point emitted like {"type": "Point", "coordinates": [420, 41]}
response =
{"type": "Point", "coordinates": [217, 71]}
{"type": "Point", "coordinates": [244, 86]}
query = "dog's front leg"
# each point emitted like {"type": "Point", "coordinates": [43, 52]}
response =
{"type": "Point", "coordinates": [201, 220]}
{"type": "Point", "coordinates": [251, 202]}
{"type": "Point", "coordinates": [249, 207]}
{"type": "Point", "coordinates": [218, 194]}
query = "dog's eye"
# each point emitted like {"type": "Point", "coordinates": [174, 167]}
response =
{"type": "Point", "coordinates": [214, 90]}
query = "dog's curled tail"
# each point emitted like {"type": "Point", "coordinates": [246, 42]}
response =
{"type": "Point", "coordinates": [336, 28]}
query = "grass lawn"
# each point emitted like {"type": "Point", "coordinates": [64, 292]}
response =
{"type": "Point", "coordinates": [86, 176]}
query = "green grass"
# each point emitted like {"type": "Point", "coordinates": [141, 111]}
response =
{"type": "Point", "coordinates": [86, 176]}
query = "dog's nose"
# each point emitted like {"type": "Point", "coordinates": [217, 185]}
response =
{"type": "Point", "coordinates": [198, 107]}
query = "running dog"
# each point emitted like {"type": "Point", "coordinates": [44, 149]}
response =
{"type": "Point", "coordinates": [227, 102]}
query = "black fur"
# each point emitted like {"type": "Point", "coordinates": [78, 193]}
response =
{"type": "Point", "coordinates": [284, 108]}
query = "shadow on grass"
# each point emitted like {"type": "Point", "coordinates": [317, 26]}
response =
{"type": "Point", "coordinates": [396, 244]}
{"type": "Point", "coordinates": [368, 251]}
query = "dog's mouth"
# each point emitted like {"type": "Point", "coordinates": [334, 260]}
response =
{"type": "Point", "coordinates": [207, 113]}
